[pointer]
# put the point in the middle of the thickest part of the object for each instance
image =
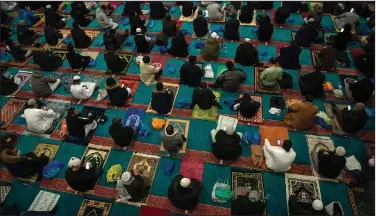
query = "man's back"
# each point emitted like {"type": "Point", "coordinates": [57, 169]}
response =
{"type": "Point", "coordinates": [190, 74]}
{"type": "Point", "coordinates": [200, 26]}
{"type": "Point", "coordinates": [271, 76]}
{"type": "Point", "coordinates": [215, 11]}
{"type": "Point", "coordinates": [232, 79]}
{"type": "Point", "coordinates": [279, 160]}
{"type": "Point", "coordinates": [330, 165]}
{"type": "Point", "coordinates": [81, 180]}
{"type": "Point", "coordinates": [141, 43]}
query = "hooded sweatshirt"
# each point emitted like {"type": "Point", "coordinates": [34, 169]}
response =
{"type": "Point", "coordinates": [171, 142]}
{"type": "Point", "coordinates": [104, 22]}
{"type": "Point", "coordinates": [40, 83]}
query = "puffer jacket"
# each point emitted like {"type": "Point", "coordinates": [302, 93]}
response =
{"type": "Point", "coordinates": [211, 50]}
{"type": "Point", "coordinates": [39, 84]}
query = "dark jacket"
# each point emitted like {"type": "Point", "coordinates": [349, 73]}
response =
{"type": "Point", "coordinates": [118, 95]}
{"type": "Point", "coordinates": [40, 84]}
{"type": "Point", "coordinates": [136, 189]}
{"type": "Point", "coordinates": [187, 10]}
{"type": "Point", "coordinates": [353, 121]}
{"type": "Point", "coordinates": [341, 40]}
{"type": "Point", "coordinates": [53, 19]}
{"type": "Point", "coordinates": [184, 198]}
{"type": "Point", "coordinates": [132, 6]}
{"type": "Point", "coordinates": [4, 31]}
{"type": "Point", "coordinates": [190, 74]}
{"type": "Point", "coordinates": [169, 27]}
{"type": "Point", "coordinates": [114, 62]}
{"type": "Point", "coordinates": [330, 165]}
{"type": "Point", "coordinates": [179, 46]}
{"type": "Point", "coordinates": [141, 43]}
{"type": "Point", "coordinates": [362, 90]}
{"type": "Point", "coordinates": [306, 35]}
{"type": "Point", "coordinates": [7, 85]}
{"type": "Point", "coordinates": [227, 147]}
{"type": "Point", "coordinates": [157, 10]}
{"type": "Point", "coordinates": [25, 35]}
{"type": "Point", "coordinates": [76, 124]}
{"type": "Point", "coordinates": [77, 61]}
{"type": "Point", "coordinates": [246, 13]}
{"type": "Point", "coordinates": [289, 57]}
{"type": "Point", "coordinates": [46, 60]}
{"type": "Point", "coordinates": [231, 79]}
{"type": "Point", "coordinates": [248, 108]}
{"type": "Point", "coordinates": [328, 56]}
{"type": "Point", "coordinates": [312, 83]}
{"type": "Point", "coordinates": [243, 206]}
{"type": "Point", "coordinates": [265, 31]}
{"type": "Point", "coordinates": [20, 166]}
{"type": "Point", "coordinates": [232, 30]}
{"type": "Point", "coordinates": [293, 6]}
{"type": "Point", "coordinates": [17, 52]}
{"type": "Point", "coordinates": [81, 180]}
{"type": "Point", "coordinates": [79, 12]}
{"type": "Point", "coordinates": [122, 136]}
{"type": "Point", "coordinates": [300, 208]}
{"type": "Point", "coordinates": [110, 41]}
{"type": "Point", "coordinates": [263, 5]}
{"type": "Point", "coordinates": [246, 54]}
{"type": "Point", "coordinates": [200, 26]}
{"type": "Point", "coordinates": [161, 101]}
{"type": "Point", "coordinates": [136, 22]}
{"type": "Point", "coordinates": [281, 15]}
{"type": "Point", "coordinates": [81, 40]}
{"type": "Point", "coordinates": [203, 97]}
{"type": "Point", "coordinates": [52, 35]}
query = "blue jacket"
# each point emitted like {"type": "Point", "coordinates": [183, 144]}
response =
{"type": "Point", "coordinates": [26, 15]}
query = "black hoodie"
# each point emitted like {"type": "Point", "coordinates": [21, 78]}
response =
{"type": "Point", "coordinates": [203, 97]}
{"type": "Point", "coordinates": [246, 54]}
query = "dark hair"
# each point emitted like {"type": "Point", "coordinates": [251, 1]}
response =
{"type": "Point", "coordinates": [170, 130]}
{"type": "Point", "coordinates": [309, 98]}
{"type": "Point", "coordinates": [159, 86]}
{"type": "Point", "coordinates": [75, 25]}
{"type": "Point", "coordinates": [9, 42]}
{"type": "Point", "coordinates": [116, 120]}
{"type": "Point", "coordinates": [192, 59]}
{"type": "Point", "coordinates": [200, 12]}
{"type": "Point", "coordinates": [287, 144]}
{"type": "Point", "coordinates": [273, 60]}
{"type": "Point", "coordinates": [70, 47]}
{"type": "Point", "coordinates": [103, 7]}
{"type": "Point", "coordinates": [203, 84]}
{"type": "Point", "coordinates": [146, 59]}
{"type": "Point", "coordinates": [230, 65]}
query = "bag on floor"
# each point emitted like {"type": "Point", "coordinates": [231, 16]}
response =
{"type": "Point", "coordinates": [157, 123]}
{"type": "Point", "coordinates": [162, 49]}
{"type": "Point", "coordinates": [114, 173]}
{"type": "Point", "coordinates": [182, 104]}
{"type": "Point", "coordinates": [209, 73]}
{"type": "Point", "coordinates": [286, 81]}
{"type": "Point", "coordinates": [169, 168]}
{"type": "Point", "coordinates": [221, 191]}
{"type": "Point", "coordinates": [51, 169]}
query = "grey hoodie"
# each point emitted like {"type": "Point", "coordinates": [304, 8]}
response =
{"type": "Point", "coordinates": [171, 142]}
{"type": "Point", "coordinates": [39, 84]}
{"type": "Point", "coordinates": [103, 21]}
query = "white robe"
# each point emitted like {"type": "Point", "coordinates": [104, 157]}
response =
{"type": "Point", "coordinates": [81, 93]}
{"type": "Point", "coordinates": [277, 158]}
{"type": "Point", "coordinates": [39, 120]}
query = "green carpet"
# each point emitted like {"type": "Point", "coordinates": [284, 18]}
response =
{"type": "Point", "coordinates": [335, 192]}
{"type": "Point", "coordinates": [275, 192]}
{"type": "Point", "coordinates": [64, 154]}
{"type": "Point", "coordinates": [283, 35]}
{"type": "Point", "coordinates": [266, 52]}
{"type": "Point", "coordinates": [299, 144]}
{"type": "Point", "coordinates": [162, 181]}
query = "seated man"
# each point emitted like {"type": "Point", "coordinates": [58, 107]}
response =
{"type": "Point", "coordinates": [122, 136]}
{"type": "Point", "coordinates": [103, 20]}
{"type": "Point", "coordinates": [171, 140]}
{"type": "Point", "coordinates": [130, 187]}
{"type": "Point", "coordinates": [161, 100]}
{"type": "Point", "coordinates": [45, 59]}
{"type": "Point", "coordinates": [132, 6]}
{"type": "Point", "coordinates": [346, 18]}
{"type": "Point", "coordinates": [362, 90]}
{"type": "Point", "coordinates": [226, 143]}
{"type": "Point", "coordinates": [247, 107]}
{"type": "Point", "coordinates": [149, 72]}
{"type": "Point", "coordinates": [200, 25]}
{"type": "Point", "coordinates": [7, 85]}
{"type": "Point", "coordinates": [311, 83]}
{"type": "Point", "coordinates": [366, 63]}
{"type": "Point", "coordinates": [169, 26]}
{"type": "Point", "coordinates": [114, 62]}
{"type": "Point", "coordinates": [53, 19]}
{"type": "Point", "coordinates": [326, 58]}
{"type": "Point", "coordinates": [80, 13]}
{"type": "Point", "coordinates": [265, 29]}
{"type": "Point", "coordinates": [272, 75]}
{"type": "Point", "coordinates": [27, 16]}
{"type": "Point", "coordinates": [43, 86]}
{"type": "Point", "coordinates": [215, 12]}
{"type": "Point", "coordinates": [190, 73]}
{"type": "Point", "coordinates": [82, 90]}
{"type": "Point", "coordinates": [179, 46]}
{"type": "Point", "coordinates": [77, 61]}
{"type": "Point", "coordinates": [231, 78]}
{"type": "Point", "coordinates": [117, 94]}
{"type": "Point", "coordinates": [289, 56]}
{"type": "Point", "coordinates": [351, 121]}
{"type": "Point", "coordinates": [246, 54]}
{"type": "Point", "coordinates": [279, 159]}
{"type": "Point", "coordinates": [143, 43]}
{"type": "Point", "coordinates": [247, 205]}
{"type": "Point", "coordinates": [281, 15]}
{"type": "Point", "coordinates": [23, 166]}
{"type": "Point", "coordinates": [246, 13]}
{"type": "Point", "coordinates": [302, 208]}
{"type": "Point", "coordinates": [17, 52]}
{"type": "Point", "coordinates": [329, 164]}
{"type": "Point", "coordinates": [113, 40]}
{"type": "Point", "coordinates": [52, 35]}
{"type": "Point", "coordinates": [212, 48]}
{"type": "Point", "coordinates": [78, 126]}
{"type": "Point", "coordinates": [81, 177]}
{"type": "Point", "coordinates": [232, 28]}
{"type": "Point", "coordinates": [302, 115]}
{"type": "Point", "coordinates": [26, 35]}
{"type": "Point", "coordinates": [184, 193]}
{"type": "Point", "coordinates": [306, 34]}
{"type": "Point", "coordinates": [204, 98]}
{"type": "Point", "coordinates": [188, 9]}
{"type": "Point", "coordinates": [136, 22]}
{"type": "Point", "coordinates": [38, 120]}
{"type": "Point", "coordinates": [157, 10]}
{"type": "Point", "coordinates": [8, 5]}
{"type": "Point", "coordinates": [80, 38]}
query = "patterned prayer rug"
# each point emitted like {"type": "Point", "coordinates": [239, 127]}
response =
{"type": "Point", "coordinates": [359, 202]}
{"type": "Point", "coordinates": [60, 43]}
{"type": "Point", "coordinates": [133, 117]}
{"type": "Point", "coordinates": [10, 110]}
{"type": "Point", "coordinates": [316, 58]}
{"type": "Point", "coordinates": [62, 53]}
{"type": "Point", "coordinates": [92, 34]}
{"type": "Point", "coordinates": [24, 76]}
{"type": "Point", "coordinates": [146, 165]}
{"type": "Point", "coordinates": [257, 157]}
{"type": "Point", "coordinates": [336, 128]}
{"type": "Point", "coordinates": [257, 118]}
{"type": "Point", "coordinates": [44, 201]}
{"type": "Point", "coordinates": [188, 19]}
{"type": "Point", "coordinates": [92, 55]}
{"type": "Point", "coordinates": [48, 150]}
{"type": "Point", "coordinates": [290, 102]}
{"type": "Point", "coordinates": [132, 84]}
{"type": "Point", "coordinates": [174, 88]}
{"type": "Point", "coordinates": [93, 207]}
{"type": "Point", "coordinates": [182, 127]}
{"type": "Point", "coordinates": [4, 191]}
{"type": "Point", "coordinates": [258, 83]}
{"type": "Point", "coordinates": [96, 155]}
{"type": "Point", "coordinates": [192, 168]}
{"type": "Point", "coordinates": [128, 59]}
{"type": "Point", "coordinates": [93, 79]}
{"type": "Point", "coordinates": [41, 21]}
{"type": "Point", "coordinates": [303, 186]}
{"type": "Point", "coordinates": [16, 63]}
{"type": "Point", "coordinates": [65, 79]}
{"type": "Point", "coordinates": [273, 134]}
{"type": "Point", "coordinates": [210, 114]}
{"type": "Point", "coordinates": [8, 140]}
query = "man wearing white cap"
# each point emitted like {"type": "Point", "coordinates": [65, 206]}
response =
{"type": "Point", "coordinates": [297, 207]}
{"type": "Point", "coordinates": [184, 193]}
{"type": "Point", "coordinates": [143, 43]}
{"type": "Point", "coordinates": [247, 205]}
{"type": "Point", "coordinates": [212, 48]}
{"type": "Point", "coordinates": [38, 120]}
{"type": "Point", "coordinates": [246, 54]}
{"type": "Point", "coordinates": [81, 177]}
{"type": "Point", "coordinates": [130, 187]}
{"type": "Point", "coordinates": [82, 90]}
{"type": "Point", "coordinates": [53, 19]}
{"type": "Point", "coordinates": [329, 164]}
{"type": "Point", "coordinates": [226, 143]}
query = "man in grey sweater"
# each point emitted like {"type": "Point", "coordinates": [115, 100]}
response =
{"type": "Point", "coordinates": [43, 86]}
{"type": "Point", "coordinates": [104, 21]}
{"type": "Point", "coordinates": [172, 141]}
{"type": "Point", "coordinates": [231, 78]}
{"type": "Point", "coordinates": [215, 12]}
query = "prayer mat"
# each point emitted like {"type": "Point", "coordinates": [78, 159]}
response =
{"type": "Point", "coordinates": [133, 117]}
{"type": "Point", "coordinates": [257, 118]}
{"type": "Point", "coordinates": [336, 128]}
{"type": "Point", "coordinates": [148, 211]}
{"type": "Point", "coordinates": [168, 87]}
{"type": "Point", "coordinates": [48, 150]}
{"type": "Point", "coordinates": [251, 181]}
{"type": "Point", "coordinates": [10, 110]}
{"type": "Point", "coordinates": [132, 84]}
{"type": "Point", "coordinates": [93, 207]}
{"type": "Point", "coordinates": [188, 19]}
{"type": "Point", "coordinates": [254, 20]}
{"type": "Point", "coordinates": [66, 79]}
{"type": "Point", "coordinates": [44, 201]}
{"type": "Point", "coordinates": [221, 68]}
{"type": "Point", "coordinates": [60, 108]}
{"type": "Point", "coordinates": [24, 76]}
{"type": "Point", "coordinates": [257, 157]}
{"type": "Point", "coordinates": [146, 165]}
{"type": "Point", "coordinates": [92, 55]}
{"type": "Point", "coordinates": [192, 168]}
{"type": "Point", "coordinates": [96, 155]}
{"type": "Point", "coordinates": [62, 53]}
{"type": "Point", "coordinates": [273, 134]}
{"type": "Point", "coordinates": [290, 102]}
{"type": "Point", "coordinates": [128, 59]}
{"type": "Point", "coordinates": [202, 38]}
{"type": "Point", "coordinates": [8, 140]}
{"type": "Point", "coordinates": [16, 63]}
{"type": "Point", "coordinates": [316, 59]}
{"type": "Point", "coordinates": [345, 85]}
{"type": "Point", "coordinates": [262, 89]}
{"type": "Point", "coordinates": [360, 203]}
{"type": "Point", "coordinates": [182, 127]}
{"type": "Point", "coordinates": [60, 43]}
{"type": "Point", "coordinates": [209, 114]}
{"type": "Point", "coordinates": [4, 191]}
{"type": "Point", "coordinates": [41, 21]}
{"type": "Point", "coordinates": [225, 121]}
{"type": "Point", "coordinates": [303, 186]}
{"type": "Point", "coordinates": [93, 79]}
{"type": "Point", "coordinates": [92, 34]}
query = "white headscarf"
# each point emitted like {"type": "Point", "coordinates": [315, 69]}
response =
{"type": "Point", "coordinates": [340, 151]}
